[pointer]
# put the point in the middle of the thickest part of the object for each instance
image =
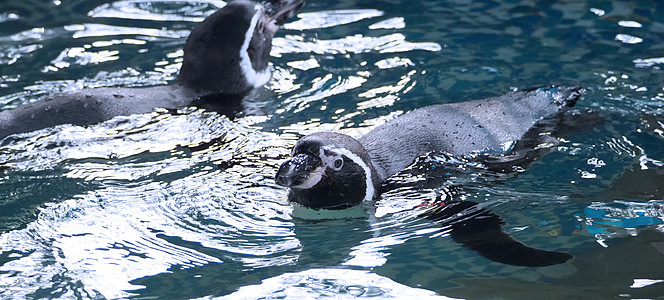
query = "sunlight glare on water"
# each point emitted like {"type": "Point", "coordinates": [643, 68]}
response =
{"type": "Point", "coordinates": [315, 283]}
{"type": "Point", "coordinates": [165, 10]}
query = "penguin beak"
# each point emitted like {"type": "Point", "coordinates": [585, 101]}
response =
{"type": "Point", "coordinates": [297, 171]}
{"type": "Point", "coordinates": [281, 10]}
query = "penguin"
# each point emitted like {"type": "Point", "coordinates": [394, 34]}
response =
{"type": "Point", "coordinates": [332, 171]}
{"type": "Point", "coordinates": [225, 57]}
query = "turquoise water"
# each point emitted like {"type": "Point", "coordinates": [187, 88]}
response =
{"type": "Point", "coordinates": [183, 204]}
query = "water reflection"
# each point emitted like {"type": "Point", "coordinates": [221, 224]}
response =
{"type": "Point", "coordinates": [148, 209]}
{"type": "Point", "coordinates": [649, 62]}
{"type": "Point", "coordinates": [324, 19]}
{"type": "Point", "coordinates": [102, 30]}
{"type": "Point", "coordinates": [392, 23]}
{"type": "Point", "coordinates": [392, 43]}
{"type": "Point", "coordinates": [316, 283]}
{"type": "Point", "coordinates": [150, 10]}
{"type": "Point", "coordinates": [620, 218]}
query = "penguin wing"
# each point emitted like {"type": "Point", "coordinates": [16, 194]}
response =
{"type": "Point", "coordinates": [480, 230]}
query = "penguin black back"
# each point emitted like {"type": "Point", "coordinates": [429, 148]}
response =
{"type": "Point", "coordinates": [463, 128]}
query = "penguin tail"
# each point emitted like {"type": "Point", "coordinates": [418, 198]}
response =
{"type": "Point", "coordinates": [566, 96]}
{"type": "Point", "coordinates": [562, 96]}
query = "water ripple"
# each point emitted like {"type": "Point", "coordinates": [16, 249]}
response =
{"type": "Point", "coordinates": [163, 10]}
{"type": "Point", "coordinates": [183, 204]}
{"type": "Point", "coordinates": [324, 19]}
{"type": "Point", "coordinates": [617, 219]}
{"type": "Point", "coordinates": [392, 43]}
{"type": "Point", "coordinates": [154, 212]}
{"type": "Point", "coordinates": [334, 283]}
{"type": "Point", "coordinates": [103, 30]}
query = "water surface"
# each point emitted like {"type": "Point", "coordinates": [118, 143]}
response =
{"type": "Point", "coordinates": [182, 204]}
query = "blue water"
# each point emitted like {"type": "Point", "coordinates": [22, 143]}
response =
{"type": "Point", "coordinates": [136, 207]}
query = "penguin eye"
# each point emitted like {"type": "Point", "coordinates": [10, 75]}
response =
{"type": "Point", "coordinates": [338, 163]}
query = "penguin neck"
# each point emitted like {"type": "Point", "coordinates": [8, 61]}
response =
{"type": "Point", "coordinates": [232, 62]}
{"type": "Point", "coordinates": [376, 179]}
{"type": "Point", "coordinates": [379, 158]}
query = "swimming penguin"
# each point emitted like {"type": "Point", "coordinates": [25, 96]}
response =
{"type": "Point", "coordinates": [225, 55]}
{"type": "Point", "coordinates": [335, 171]}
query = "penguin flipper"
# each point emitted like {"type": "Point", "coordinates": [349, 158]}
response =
{"type": "Point", "coordinates": [480, 230]}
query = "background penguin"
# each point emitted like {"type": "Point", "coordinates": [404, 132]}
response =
{"type": "Point", "coordinates": [225, 56]}
{"type": "Point", "coordinates": [335, 171]}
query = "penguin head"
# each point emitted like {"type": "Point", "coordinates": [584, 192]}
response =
{"type": "Point", "coordinates": [228, 52]}
{"type": "Point", "coordinates": [328, 171]}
